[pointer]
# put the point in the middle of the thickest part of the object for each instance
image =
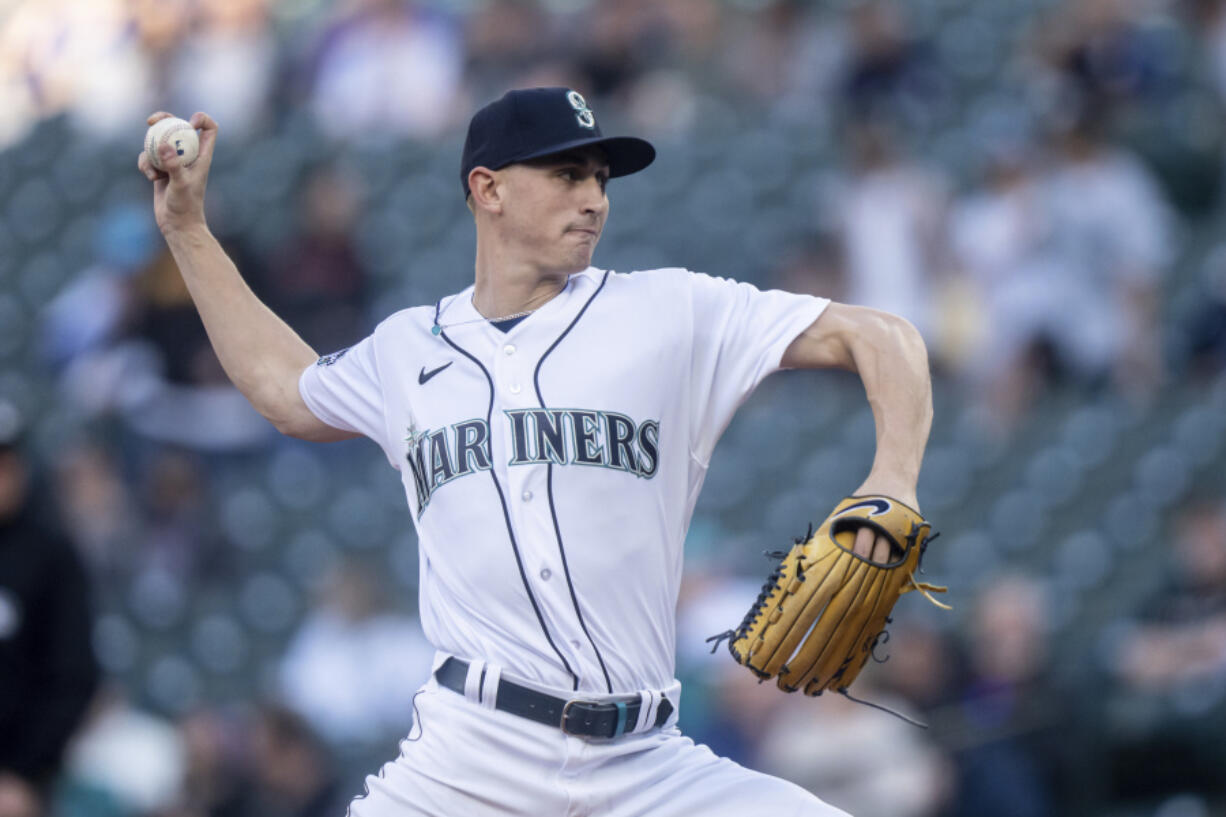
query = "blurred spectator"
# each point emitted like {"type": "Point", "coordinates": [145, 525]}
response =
{"type": "Point", "coordinates": [99, 514]}
{"type": "Point", "coordinates": [353, 666]}
{"type": "Point", "coordinates": [787, 55]}
{"type": "Point", "coordinates": [889, 71]}
{"type": "Point", "coordinates": [1065, 263]}
{"type": "Point", "coordinates": [614, 45]}
{"type": "Point", "coordinates": [666, 97]}
{"type": "Point", "coordinates": [317, 283]}
{"type": "Point", "coordinates": [1183, 638]}
{"type": "Point", "coordinates": [663, 103]}
{"type": "Point", "coordinates": [226, 65]}
{"type": "Point", "coordinates": [292, 772]}
{"type": "Point", "coordinates": [889, 218]}
{"type": "Point", "coordinates": [165, 319]}
{"type": "Point", "coordinates": [999, 240]}
{"type": "Point", "coordinates": [132, 756]}
{"type": "Point", "coordinates": [19, 33]}
{"type": "Point", "coordinates": [1112, 244]}
{"type": "Point", "coordinates": [97, 61]}
{"type": "Point", "coordinates": [851, 755]}
{"type": "Point", "coordinates": [115, 66]}
{"type": "Point", "coordinates": [215, 776]}
{"type": "Point", "coordinates": [179, 536]}
{"type": "Point", "coordinates": [737, 709]}
{"type": "Point", "coordinates": [1015, 745]}
{"type": "Point", "coordinates": [1209, 19]}
{"type": "Point", "coordinates": [190, 401]}
{"type": "Point", "coordinates": [1101, 53]}
{"type": "Point", "coordinates": [267, 763]}
{"type": "Point", "coordinates": [387, 69]}
{"type": "Point", "coordinates": [95, 307]}
{"type": "Point", "coordinates": [812, 266]}
{"type": "Point", "coordinates": [149, 361]}
{"type": "Point", "coordinates": [922, 667]}
{"type": "Point", "coordinates": [505, 38]}
{"type": "Point", "coordinates": [47, 667]}
{"type": "Point", "coordinates": [1201, 331]}
{"type": "Point", "coordinates": [1169, 722]}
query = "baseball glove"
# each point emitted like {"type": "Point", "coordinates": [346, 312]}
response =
{"type": "Point", "coordinates": [824, 609]}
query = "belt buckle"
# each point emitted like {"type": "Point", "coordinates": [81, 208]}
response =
{"type": "Point", "coordinates": [616, 713]}
{"type": "Point", "coordinates": [566, 716]}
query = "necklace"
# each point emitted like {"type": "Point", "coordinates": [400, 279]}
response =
{"type": "Point", "coordinates": [439, 327]}
{"type": "Point", "coordinates": [439, 310]}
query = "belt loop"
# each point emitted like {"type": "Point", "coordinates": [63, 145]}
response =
{"type": "Point", "coordinates": [620, 729]}
{"type": "Point", "coordinates": [647, 711]}
{"type": "Point", "coordinates": [472, 682]}
{"type": "Point", "coordinates": [489, 688]}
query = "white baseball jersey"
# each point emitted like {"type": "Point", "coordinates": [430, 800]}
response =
{"type": "Point", "coordinates": [552, 470]}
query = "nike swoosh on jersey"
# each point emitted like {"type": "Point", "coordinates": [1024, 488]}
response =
{"type": "Point", "coordinates": [423, 376]}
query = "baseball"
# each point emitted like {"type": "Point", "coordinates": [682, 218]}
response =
{"type": "Point", "coordinates": [178, 133]}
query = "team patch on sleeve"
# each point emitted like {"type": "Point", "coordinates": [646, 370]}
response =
{"type": "Point", "coordinates": [328, 360]}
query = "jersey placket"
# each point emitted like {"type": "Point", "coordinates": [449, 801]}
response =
{"type": "Point", "coordinates": [513, 367]}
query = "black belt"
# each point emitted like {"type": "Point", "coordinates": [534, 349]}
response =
{"type": "Point", "coordinates": [588, 719]}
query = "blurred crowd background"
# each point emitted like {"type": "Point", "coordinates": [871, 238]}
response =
{"type": "Point", "coordinates": [201, 619]}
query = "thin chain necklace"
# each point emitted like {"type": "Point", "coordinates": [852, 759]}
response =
{"type": "Point", "coordinates": [439, 310]}
{"type": "Point", "coordinates": [439, 327]}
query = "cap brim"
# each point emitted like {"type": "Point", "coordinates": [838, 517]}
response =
{"type": "Point", "coordinates": [626, 154]}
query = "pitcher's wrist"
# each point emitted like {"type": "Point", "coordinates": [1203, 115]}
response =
{"type": "Point", "coordinates": [187, 233]}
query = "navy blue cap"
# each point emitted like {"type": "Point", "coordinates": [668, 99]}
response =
{"type": "Point", "coordinates": [534, 122]}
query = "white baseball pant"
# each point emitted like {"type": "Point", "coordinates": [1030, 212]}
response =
{"type": "Point", "coordinates": [463, 759]}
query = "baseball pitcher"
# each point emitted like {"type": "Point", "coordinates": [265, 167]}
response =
{"type": "Point", "coordinates": [552, 424]}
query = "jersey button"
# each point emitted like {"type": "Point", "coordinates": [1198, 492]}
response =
{"type": "Point", "coordinates": [515, 388]}
{"type": "Point", "coordinates": [509, 348]}
{"type": "Point", "coordinates": [546, 573]}
{"type": "Point", "coordinates": [527, 496]}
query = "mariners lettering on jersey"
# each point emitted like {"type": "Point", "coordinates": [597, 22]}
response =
{"type": "Point", "coordinates": [604, 439]}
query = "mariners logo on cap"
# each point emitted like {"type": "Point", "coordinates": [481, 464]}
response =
{"type": "Point", "coordinates": [582, 112]}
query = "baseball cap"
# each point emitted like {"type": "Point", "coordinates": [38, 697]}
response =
{"type": "Point", "coordinates": [529, 123]}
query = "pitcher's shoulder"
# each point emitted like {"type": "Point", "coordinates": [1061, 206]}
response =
{"type": "Point", "coordinates": [651, 280]}
{"type": "Point", "coordinates": [406, 324]}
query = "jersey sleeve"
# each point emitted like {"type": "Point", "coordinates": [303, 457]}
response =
{"type": "Point", "coordinates": [740, 335]}
{"type": "Point", "coordinates": [344, 390]}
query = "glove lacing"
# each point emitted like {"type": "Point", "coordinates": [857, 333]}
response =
{"type": "Point", "coordinates": [925, 588]}
{"type": "Point", "coordinates": [755, 609]}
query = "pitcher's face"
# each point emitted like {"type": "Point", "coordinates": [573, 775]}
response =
{"type": "Point", "coordinates": [556, 207]}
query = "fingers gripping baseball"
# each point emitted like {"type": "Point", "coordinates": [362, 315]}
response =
{"type": "Point", "coordinates": [178, 187]}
